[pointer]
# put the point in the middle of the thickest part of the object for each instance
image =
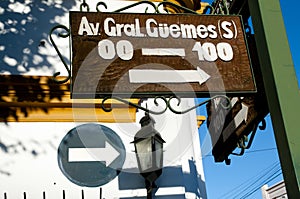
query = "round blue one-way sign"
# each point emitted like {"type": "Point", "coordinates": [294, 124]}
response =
{"type": "Point", "coordinates": [91, 155]}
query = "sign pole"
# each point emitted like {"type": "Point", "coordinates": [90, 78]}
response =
{"type": "Point", "coordinates": [281, 86]}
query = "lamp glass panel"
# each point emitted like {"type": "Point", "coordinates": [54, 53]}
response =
{"type": "Point", "coordinates": [158, 153]}
{"type": "Point", "coordinates": [144, 153]}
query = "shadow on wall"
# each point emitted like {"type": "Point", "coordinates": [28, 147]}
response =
{"type": "Point", "coordinates": [25, 94]}
{"type": "Point", "coordinates": [192, 182]}
{"type": "Point", "coordinates": [20, 96]}
{"type": "Point", "coordinates": [24, 47]}
{"type": "Point", "coordinates": [24, 31]}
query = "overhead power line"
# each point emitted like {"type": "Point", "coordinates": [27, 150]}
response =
{"type": "Point", "coordinates": [259, 187]}
{"type": "Point", "coordinates": [249, 151]}
{"type": "Point", "coordinates": [249, 186]}
{"type": "Point", "coordinates": [258, 182]}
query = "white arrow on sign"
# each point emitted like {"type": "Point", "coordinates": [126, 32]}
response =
{"type": "Point", "coordinates": [237, 120]}
{"type": "Point", "coordinates": [107, 154]}
{"type": "Point", "coordinates": [167, 76]}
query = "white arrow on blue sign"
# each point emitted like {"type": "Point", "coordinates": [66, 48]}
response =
{"type": "Point", "coordinates": [107, 154]}
{"type": "Point", "coordinates": [91, 155]}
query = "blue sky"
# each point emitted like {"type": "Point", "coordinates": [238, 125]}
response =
{"type": "Point", "coordinates": [289, 8]}
{"type": "Point", "coordinates": [246, 174]}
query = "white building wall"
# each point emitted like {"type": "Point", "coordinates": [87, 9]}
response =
{"type": "Point", "coordinates": [29, 160]}
{"type": "Point", "coordinates": [28, 151]}
{"type": "Point", "coordinates": [277, 191]}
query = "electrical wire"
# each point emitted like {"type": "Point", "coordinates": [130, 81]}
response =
{"type": "Point", "coordinates": [254, 182]}
{"type": "Point", "coordinates": [249, 151]}
{"type": "Point", "coordinates": [259, 187]}
{"type": "Point", "coordinates": [235, 192]}
{"type": "Point", "coordinates": [259, 182]}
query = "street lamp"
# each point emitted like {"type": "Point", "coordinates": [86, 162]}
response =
{"type": "Point", "coordinates": [149, 152]}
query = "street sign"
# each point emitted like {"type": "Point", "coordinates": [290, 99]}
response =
{"type": "Point", "coordinates": [91, 155]}
{"type": "Point", "coordinates": [228, 126]}
{"type": "Point", "coordinates": [142, 55]}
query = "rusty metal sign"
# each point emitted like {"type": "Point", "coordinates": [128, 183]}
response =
{"type": "Point", "coordinates": [144, 55]}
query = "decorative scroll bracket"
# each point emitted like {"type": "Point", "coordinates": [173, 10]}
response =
{"type": "Point", "coordinates": [168, 104]}
{"type": "Point", "coordinates": [63, 35]}
{"type": "Point", "coordinates": [242, 142]}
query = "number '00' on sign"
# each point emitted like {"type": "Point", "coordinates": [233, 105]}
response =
{"type": "Point", "coordinates": [108, 50]}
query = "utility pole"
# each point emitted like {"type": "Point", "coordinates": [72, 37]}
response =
{"type": "Point", "coordinates": [281, 86]}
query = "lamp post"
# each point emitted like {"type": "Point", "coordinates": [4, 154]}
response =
{"type": "Point", "coordinates": [149, 152]}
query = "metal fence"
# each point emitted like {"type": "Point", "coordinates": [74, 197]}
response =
{"type": "Point", "coordinates": [44, 195]}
